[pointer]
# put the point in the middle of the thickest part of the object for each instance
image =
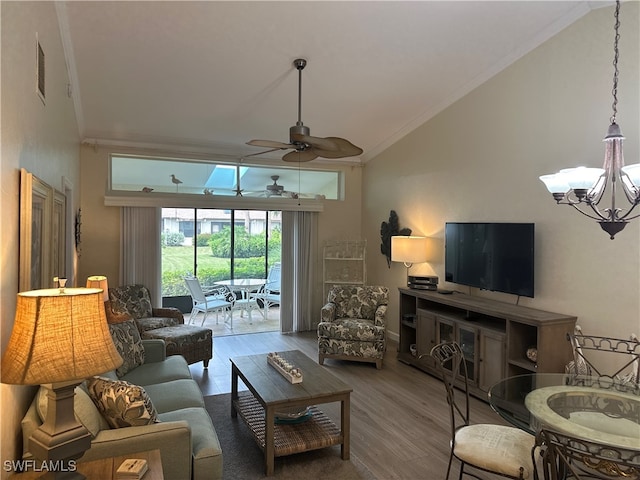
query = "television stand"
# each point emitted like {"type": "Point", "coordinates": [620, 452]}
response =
{"type": "Point", "coordinates": [495, 335]}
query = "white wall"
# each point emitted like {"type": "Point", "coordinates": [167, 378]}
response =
{"type": "Point", "coordinates": [480, 160]}
{"type": "Point", "coordinates": [41, 138]}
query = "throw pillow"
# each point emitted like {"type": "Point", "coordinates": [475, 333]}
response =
{"type": "Point", "coordinates": [121, 403]}
{"type": "Point", "coordinates": [127, 340]}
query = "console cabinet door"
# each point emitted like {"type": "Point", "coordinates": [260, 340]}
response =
{"type": "Point", "coordinates": [425, 337]}
{"type": "Point", "coordinates": [468, 341]}
{"type": "Point", "coordinates": [492, 359]}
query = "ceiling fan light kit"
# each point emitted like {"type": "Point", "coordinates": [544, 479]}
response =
{"type": "Point", "coordinates": [304, 146]}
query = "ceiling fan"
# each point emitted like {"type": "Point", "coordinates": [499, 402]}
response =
{"type": "Point", "coordinates": [275, 189]}
{"type": "Point", "coordinates": [305, 147]}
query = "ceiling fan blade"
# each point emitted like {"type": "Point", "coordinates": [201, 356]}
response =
{"type": "Point", "coordinates": [315, 142]}
{"type": "Point", "coordinates": [263, 152]}
{"type": "Point", "coordinates": [269, 144]}
{"type": "Point", "coordinates": [345, 149]}
{"type": "Point", "coordinates": [300, 156]}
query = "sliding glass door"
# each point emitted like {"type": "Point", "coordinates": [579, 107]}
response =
{"type": "Point", "coordinates": [215, 245]}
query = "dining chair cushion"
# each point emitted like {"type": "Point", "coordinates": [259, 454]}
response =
{"type": "Point", "coordinates": [496, 448]}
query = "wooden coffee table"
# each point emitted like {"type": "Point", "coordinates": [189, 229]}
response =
{"type": "Point", "coordinates": [271, 392]}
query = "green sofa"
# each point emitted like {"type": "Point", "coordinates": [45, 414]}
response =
{"type": "Point", "coordinates": [185, 435]}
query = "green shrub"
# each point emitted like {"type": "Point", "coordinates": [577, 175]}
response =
{"type": "Point", "coordinates": [172, 239]}
{"type": "Point", "coordinates": [203, 239]}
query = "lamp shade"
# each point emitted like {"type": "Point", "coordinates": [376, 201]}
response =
{"type": "Point", "coordinates": [409, 249]}
{"type": "Point", "coordinates": [99, 281]}
{"type": "Point", "coordinates": [59, 337]}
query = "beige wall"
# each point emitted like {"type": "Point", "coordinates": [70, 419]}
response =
{"type": "Point", "coordinates": [100, 246]}
{"type": "Point", "coordinates": [41, 138]}
{"type": "Point", "coordinates": [480, 160]}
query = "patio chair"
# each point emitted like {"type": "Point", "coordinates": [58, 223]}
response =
{"type": "Point", "coordinates": [269, 293]}
{"type": "Point", "coordinates": [218, 299]}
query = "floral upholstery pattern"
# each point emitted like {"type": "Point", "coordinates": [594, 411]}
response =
{"type": "Point", "coordinates": [121, 403]}
{"type": "Point", "coordinates": [126, 338]}
{"type": "Point", "coordinates": [134, 301]}
{"type": "Point", "coordinates": [352, 324]}
{"type": "Point", "coordinates": [193, 343]}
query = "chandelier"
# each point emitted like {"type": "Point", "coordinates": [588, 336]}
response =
{"type": "Point", "coordinates": [584, 188]}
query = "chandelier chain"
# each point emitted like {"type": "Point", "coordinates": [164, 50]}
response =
{"type": "Point", "coordinates": [616, 53]}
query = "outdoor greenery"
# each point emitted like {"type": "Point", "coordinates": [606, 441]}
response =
{"type": "Point", "coordinates": [172, 239]}
{"type": "Point", "coordinates": [214, 258]}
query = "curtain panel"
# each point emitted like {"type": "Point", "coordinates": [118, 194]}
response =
{"type": "Point", "coordinates": [140, 250]}
{"type": "Point", "coordinates": [299, 247]}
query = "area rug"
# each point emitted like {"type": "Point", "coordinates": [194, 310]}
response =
{"type": "Point", "coordinates": [244, 460]}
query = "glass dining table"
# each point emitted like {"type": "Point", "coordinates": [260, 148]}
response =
{"type": "Point", "coordinates": [601, 410]}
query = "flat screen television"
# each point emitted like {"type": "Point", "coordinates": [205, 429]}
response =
{"type": "Point", "coordinates": [492, 256]}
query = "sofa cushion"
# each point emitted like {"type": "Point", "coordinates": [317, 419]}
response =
{"type": "Point", "coordinates": [127, 340]}
{"type": "Point", "coordinates": [151, 323]}
{"type": "Point", "coordinates": [174, 395]}
{"type": "Point", "coordinates": [122, 403]}
{"type": "Point", "coordinates": [85, 410]}
{"type": "Point", "coordinates": [173, 368]}
{"type": "Point", "coordinates": [351, 329]}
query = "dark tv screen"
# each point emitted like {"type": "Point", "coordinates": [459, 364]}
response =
{"type": "Point", "coordinates": [492, 256]}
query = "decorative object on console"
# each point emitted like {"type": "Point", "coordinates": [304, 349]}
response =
{"type": "Point", "coordinates": [428, 282]}
{"type": "Point", "coordinates": [43, 349]}
{"type": "Point", "coordinates": [388, 230]}
{"type": "Point", "coordinates": [409, 250]}
{"type": "Point", "coordinates": [586, 186]}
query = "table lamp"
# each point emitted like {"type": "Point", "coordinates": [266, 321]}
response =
{"type": "Point", "coordinates": [99, 281]}
{"type": "Point", "coordinates": [409, 250]}
{"type": "Point", "coordinates": [59, 338]}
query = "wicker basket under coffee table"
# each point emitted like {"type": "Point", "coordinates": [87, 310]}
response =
{"type": "Point", "coordinates": [271, 392]}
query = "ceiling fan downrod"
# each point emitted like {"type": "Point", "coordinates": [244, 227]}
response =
{"type": "Point", "coordinates": [299, 128]}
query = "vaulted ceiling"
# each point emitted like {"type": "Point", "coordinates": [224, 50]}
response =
{"type": "Point", "coordinates": [208, 76]}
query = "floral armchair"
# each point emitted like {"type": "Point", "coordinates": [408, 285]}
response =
{"type": "Point", "coordinates": [352, 324]}
{"type": "Point", "coordinates": [133, 302]}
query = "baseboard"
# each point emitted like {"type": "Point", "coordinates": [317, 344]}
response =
{"type": "Point", "coordinates": [393, 336]}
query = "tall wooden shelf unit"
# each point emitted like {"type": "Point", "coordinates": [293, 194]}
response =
{"type": "Point", "coordinates": [344, 263]}
{"type": "Point", "coordinates": [494, 336]}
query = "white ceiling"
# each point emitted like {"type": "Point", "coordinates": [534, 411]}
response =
{"type": "Point", "coordinates": [208, 76]}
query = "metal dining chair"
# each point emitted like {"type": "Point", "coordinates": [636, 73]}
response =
{"type": "Point", "coordinates": [560, 456]}
{"type": "Point", "coordinates": [498, 449]}
{"type": "Point", "coordinates": [614, 359]}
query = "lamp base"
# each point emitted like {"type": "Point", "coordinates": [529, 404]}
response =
{"type": "Point", "coordinates": [61, 439]}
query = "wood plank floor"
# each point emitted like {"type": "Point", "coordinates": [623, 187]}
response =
{"type": "Point", "coordinates": [399, 415]}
